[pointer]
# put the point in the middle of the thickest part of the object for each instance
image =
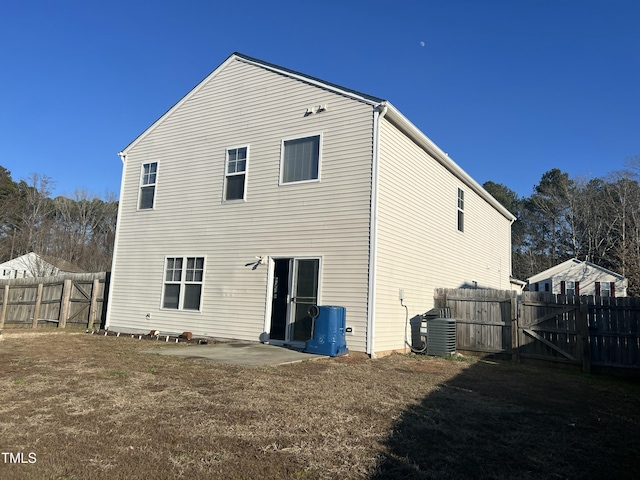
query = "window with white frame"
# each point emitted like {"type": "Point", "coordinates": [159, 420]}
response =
{"type": "Point", "coordinates": [148, 185]}
{"type": "Point", "coordinates": [460, 210]}
{"type": "Point", "coordinates": [183, 279]}
{"type": "Point", "coordinates": [300, 159]}
{"type": "Point", "coordinates": [236, 173]}
{"type": "Point", "coordinates": [571, 288]}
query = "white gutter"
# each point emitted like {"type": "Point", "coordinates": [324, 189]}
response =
{"type": "Point", "coordinates": [123, 157]}
{"type": "Point", "coordinates": [378, 114]}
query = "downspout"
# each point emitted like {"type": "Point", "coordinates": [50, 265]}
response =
{"type": "Point", "coordinates": [378, 114]}
{"type": "Point", "coordinates": [123, 157]}
{"type": "Point", "coordinates": [511, 251]}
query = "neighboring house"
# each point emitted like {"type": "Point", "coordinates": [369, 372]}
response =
{"type": "Point", "coordinates": [33, 265]}
{"type": "Point", "coordinates": [517, 285]}
{"type": "Point", "coordinates": [264, 191]}
{"type": "Point", "coordinates": [575, 277]}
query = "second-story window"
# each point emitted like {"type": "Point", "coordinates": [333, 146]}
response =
{"type": "Point", "coordinates": [148, 185]}
{"type": "Point", "coordinates": [300, 159]}
{"type": "Point", "coordinates": [460, 210]}
{"type": "Point", "coordinates": [236, 174]}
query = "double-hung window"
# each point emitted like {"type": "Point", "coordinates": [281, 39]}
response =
{"type": "Point", "coordinates": [300, 159]}
{"type": "Point", "coordinates": [460, 210]}
{"type": "Point", "coordinates": [148, 185]}
{"type": "Point", "coordinates": [236, 173]}
{"type": "Point", "coordinates": [183, 279]}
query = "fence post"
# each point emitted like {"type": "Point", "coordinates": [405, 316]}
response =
{"type": "Point", "coordinates": [583, 328]}
{"type": "Point", "coordinates": [5, 301]}
{"type": "Point", "coordinates": [65, 303]}
{"type": "Point", "coordinates": [515, 350]}
{"type": "Point", "coordinates": [93, 309]}
{"type": "Point", "coordinates": [36, 310]}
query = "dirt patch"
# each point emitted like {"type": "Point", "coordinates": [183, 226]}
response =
{"type": "Point", "coordinates": [90, 406]}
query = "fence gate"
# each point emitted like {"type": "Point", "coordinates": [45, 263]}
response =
{"type": "Point", "coordinates": [553, 328]}
{"type": "Point", "coordinates": [71, 299]}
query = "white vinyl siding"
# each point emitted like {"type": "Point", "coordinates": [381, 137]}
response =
{"type": "Point", "coordinates": [243, 104]}
{"type": "Point", "coordinates": [419, 248]}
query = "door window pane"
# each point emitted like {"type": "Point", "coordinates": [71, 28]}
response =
{"type": "Point", "coordinates": [307, 281]}
{"type": "Point", "coordinates": [303, 326]}
{"type": "Point", "coordinates": [306, 294]}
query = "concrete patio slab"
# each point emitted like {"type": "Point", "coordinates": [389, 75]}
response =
{"type": "Point", "coordinates": [239, 353]}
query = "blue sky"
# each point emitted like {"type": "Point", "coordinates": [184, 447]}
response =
{"type": "Point", "coordinates": [508, 88]}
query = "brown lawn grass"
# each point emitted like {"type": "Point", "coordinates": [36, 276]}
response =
{"type": "Point", "coordinates": [93, 407]}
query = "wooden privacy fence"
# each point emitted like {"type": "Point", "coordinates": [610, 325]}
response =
{"type": "Point", "coordinates": [483, 318]}
{"type": "Point", "coordinates": [77, 299]}
{"type": "Point", "coordinates": [601, 333]}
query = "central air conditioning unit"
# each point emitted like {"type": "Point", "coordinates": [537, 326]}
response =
{"type": "Point", "coordinates": [441, 336]}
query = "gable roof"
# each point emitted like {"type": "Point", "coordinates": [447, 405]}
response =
{"type": "Point", "coordinates": [391, 113]}
{"type": "Point", "coordinates": [63, 265]}
{"type": "Point", "coordinates": [567, 265]}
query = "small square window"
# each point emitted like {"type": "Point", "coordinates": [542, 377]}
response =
{"type": "Point", "coordinates": [301, 159]}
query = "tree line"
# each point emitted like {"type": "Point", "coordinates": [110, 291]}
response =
{"type": "Point", "coordinates": [596, 220]}
{"type": "Point", "coordinates": [79, 229]}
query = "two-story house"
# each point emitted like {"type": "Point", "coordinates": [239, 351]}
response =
{"type": "Point", "coordinates": [264, 191]}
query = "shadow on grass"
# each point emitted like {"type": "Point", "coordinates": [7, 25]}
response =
{"type": "Point", "coordinates": [498, 420]}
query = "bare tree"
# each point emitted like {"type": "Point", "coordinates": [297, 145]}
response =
{"type": "Point", "coordinates": [31, 233]}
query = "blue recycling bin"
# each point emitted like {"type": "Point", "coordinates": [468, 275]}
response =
{"type": "Point", "coordinates": [328, 337]}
